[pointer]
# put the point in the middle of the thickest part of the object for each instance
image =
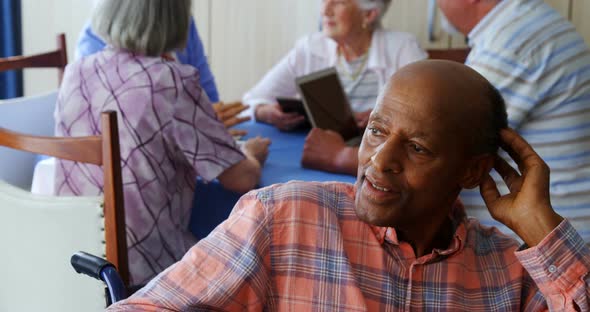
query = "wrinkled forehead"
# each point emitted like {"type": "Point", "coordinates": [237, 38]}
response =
{"type": "Point", "coordinates": [414, 94]}
{"type": "Point", "coordinates": [405, 107]}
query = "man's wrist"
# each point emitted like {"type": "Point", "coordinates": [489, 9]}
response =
{"type": "Point", "coordinates": [535, 228]}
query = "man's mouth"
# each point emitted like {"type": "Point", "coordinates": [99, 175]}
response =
{"type": "Point", "coordinates": [379, 184]}
{"type": "Point", "coordinates": [380, 188]}
{"type": "Point", "coordinates": [379, 192]}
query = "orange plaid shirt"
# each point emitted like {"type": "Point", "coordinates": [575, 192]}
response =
{"type": "Point", "coordinates": [300, 247]}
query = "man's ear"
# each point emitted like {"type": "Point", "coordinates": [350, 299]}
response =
{"type": "Point", "coordinates": [477, 168]}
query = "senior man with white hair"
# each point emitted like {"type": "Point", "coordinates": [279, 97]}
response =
{"type": "Point", "coordinates": [352, 40]}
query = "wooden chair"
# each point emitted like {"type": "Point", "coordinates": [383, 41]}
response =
{"type": "Point", "coordinates": [57, 59]}
{"type": "Point", "coordinates": [39, 233]}
{"type": "Point", "coordinates": [457, 55]}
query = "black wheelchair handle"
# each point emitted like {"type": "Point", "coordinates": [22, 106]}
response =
{"type": "Point", "coordinates": [88, 264]}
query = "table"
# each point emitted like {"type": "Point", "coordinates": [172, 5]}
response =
{"type": "Point", "coordinates": [212, 203]}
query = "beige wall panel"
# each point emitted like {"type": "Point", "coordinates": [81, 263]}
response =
{"type": "Point", "coordinates": [412, 16]}
{"type": "Point", "coordinates": [200, 11]}
{"type": "Point", "coordinates": [581, 18]}
{"type": "Point", "coordinates": [458, 41]}
{"type": "Point", "coordinates": [563, 6]}
{"type": "Point", "coordinates": [249, 36]}
{"type": "Point", "coordinates": [42, 21]}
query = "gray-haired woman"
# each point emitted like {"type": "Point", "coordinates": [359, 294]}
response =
{"type": "Point", "coordinates": [168, 130]}
{"type": "Point", "coordinates": [352, 40]}
{"type": "Point", "coordinates": [365, 56]}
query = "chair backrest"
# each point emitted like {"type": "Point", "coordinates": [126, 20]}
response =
{"type": "Point", "coordinates": [33, 115]}
{"type": "Point", "coordinates": [457, 55]}
{"type": "Point", "coordinates": [39, 233]}
{"type": "Point", "coordinates": [52, 59]}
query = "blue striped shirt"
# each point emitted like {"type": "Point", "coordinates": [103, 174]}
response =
{"type": "Point", "coordinates": [541, 65]}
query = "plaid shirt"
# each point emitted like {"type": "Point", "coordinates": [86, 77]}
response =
{"type": "Point", "coordinates": [300, 247]}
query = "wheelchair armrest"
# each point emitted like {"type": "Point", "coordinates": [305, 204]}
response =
{"type": "Point", "coordinates": [103, 270]}
{"type": "Point", "coordinates": [88, 264]}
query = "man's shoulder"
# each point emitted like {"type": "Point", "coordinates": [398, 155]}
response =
{"type": "Point", "coordinates": [302, 190]}
{"type": "Point", "coordinates": [305, 197]}
{"type": "Point", "coordinates": [506, 36]}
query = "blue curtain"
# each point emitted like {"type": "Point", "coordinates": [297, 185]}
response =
{"type": "Point", "coordinates": [11, 82]}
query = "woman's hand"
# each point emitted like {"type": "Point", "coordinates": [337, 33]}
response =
{"type": "Point", "coordinates": [526, 209]}
{"type": "Point", "coordinates": [326, 150]}
{"type": "Point", "coordinates": [228, 113]}
{"type": "Point", "coordinates": [272, 114]}
{"type": "Point", "coordinates": [257, 148]}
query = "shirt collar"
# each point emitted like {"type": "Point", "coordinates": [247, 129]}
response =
{"type": "Point", "coordinates": [329, 52]}
{"type": "Point", "coordinates": [486, 24]}
{"type": "Point", "coordinates": [457, 215]}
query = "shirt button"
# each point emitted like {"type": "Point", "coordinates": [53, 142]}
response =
{"type": "Point", "coordinates": [552, 268]}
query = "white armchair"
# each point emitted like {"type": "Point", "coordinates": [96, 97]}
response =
{"type": "Point", "coordinates": [39, 233]}
{"type": "Point", "coordinates": [33, 115]}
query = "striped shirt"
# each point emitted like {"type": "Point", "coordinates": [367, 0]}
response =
{"type": "Point", "coordinates": [300, 246]}
{"type": "Point", "coordinates": [541, 65]}
{"type": "Point", "coordinates": [362, 90]}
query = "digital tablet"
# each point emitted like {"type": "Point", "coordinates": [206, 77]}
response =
{"type": "Point", "coordinates": [326, 104]}
{"type": "Point", "coordinates": [290, 105]}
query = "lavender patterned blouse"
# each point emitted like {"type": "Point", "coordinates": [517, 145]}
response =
{"type": "Point", "coordinates": [168, 133]}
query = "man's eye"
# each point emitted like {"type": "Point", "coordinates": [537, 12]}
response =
{"type": "Point", "coordinates": [417, 148]}
{"type": "Point", "coordinates": [374, 131]}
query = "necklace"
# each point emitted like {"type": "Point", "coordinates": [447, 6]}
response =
{"type": "Point", "coordinates": [354, 74]}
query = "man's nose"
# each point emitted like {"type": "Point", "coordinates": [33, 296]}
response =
{"type": "Point", "coordinates": [388, 156]}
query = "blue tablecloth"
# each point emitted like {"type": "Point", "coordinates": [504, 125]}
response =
{"type": "Point", "coordinates": [212, 203]}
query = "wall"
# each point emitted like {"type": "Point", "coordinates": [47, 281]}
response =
{"type": "Point", "coordinates": [42, 21]}
{"type": "Point", "coordinates": [243, 38]}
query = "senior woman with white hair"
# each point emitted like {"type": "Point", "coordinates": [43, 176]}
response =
{"type": "Point", "coordinates": [352, 40]}
{"type": "Point", "coordinates": [168, 130]}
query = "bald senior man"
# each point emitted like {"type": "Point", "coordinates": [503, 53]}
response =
{"type": "Point", "coordinates": [398, 239]}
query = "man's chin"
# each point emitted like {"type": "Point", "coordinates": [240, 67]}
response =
{"type": "Point", "coordinates": [374, 216]}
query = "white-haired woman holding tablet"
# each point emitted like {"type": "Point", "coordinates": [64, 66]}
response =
{"type": "Point", "coordinates": [352, 40]}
